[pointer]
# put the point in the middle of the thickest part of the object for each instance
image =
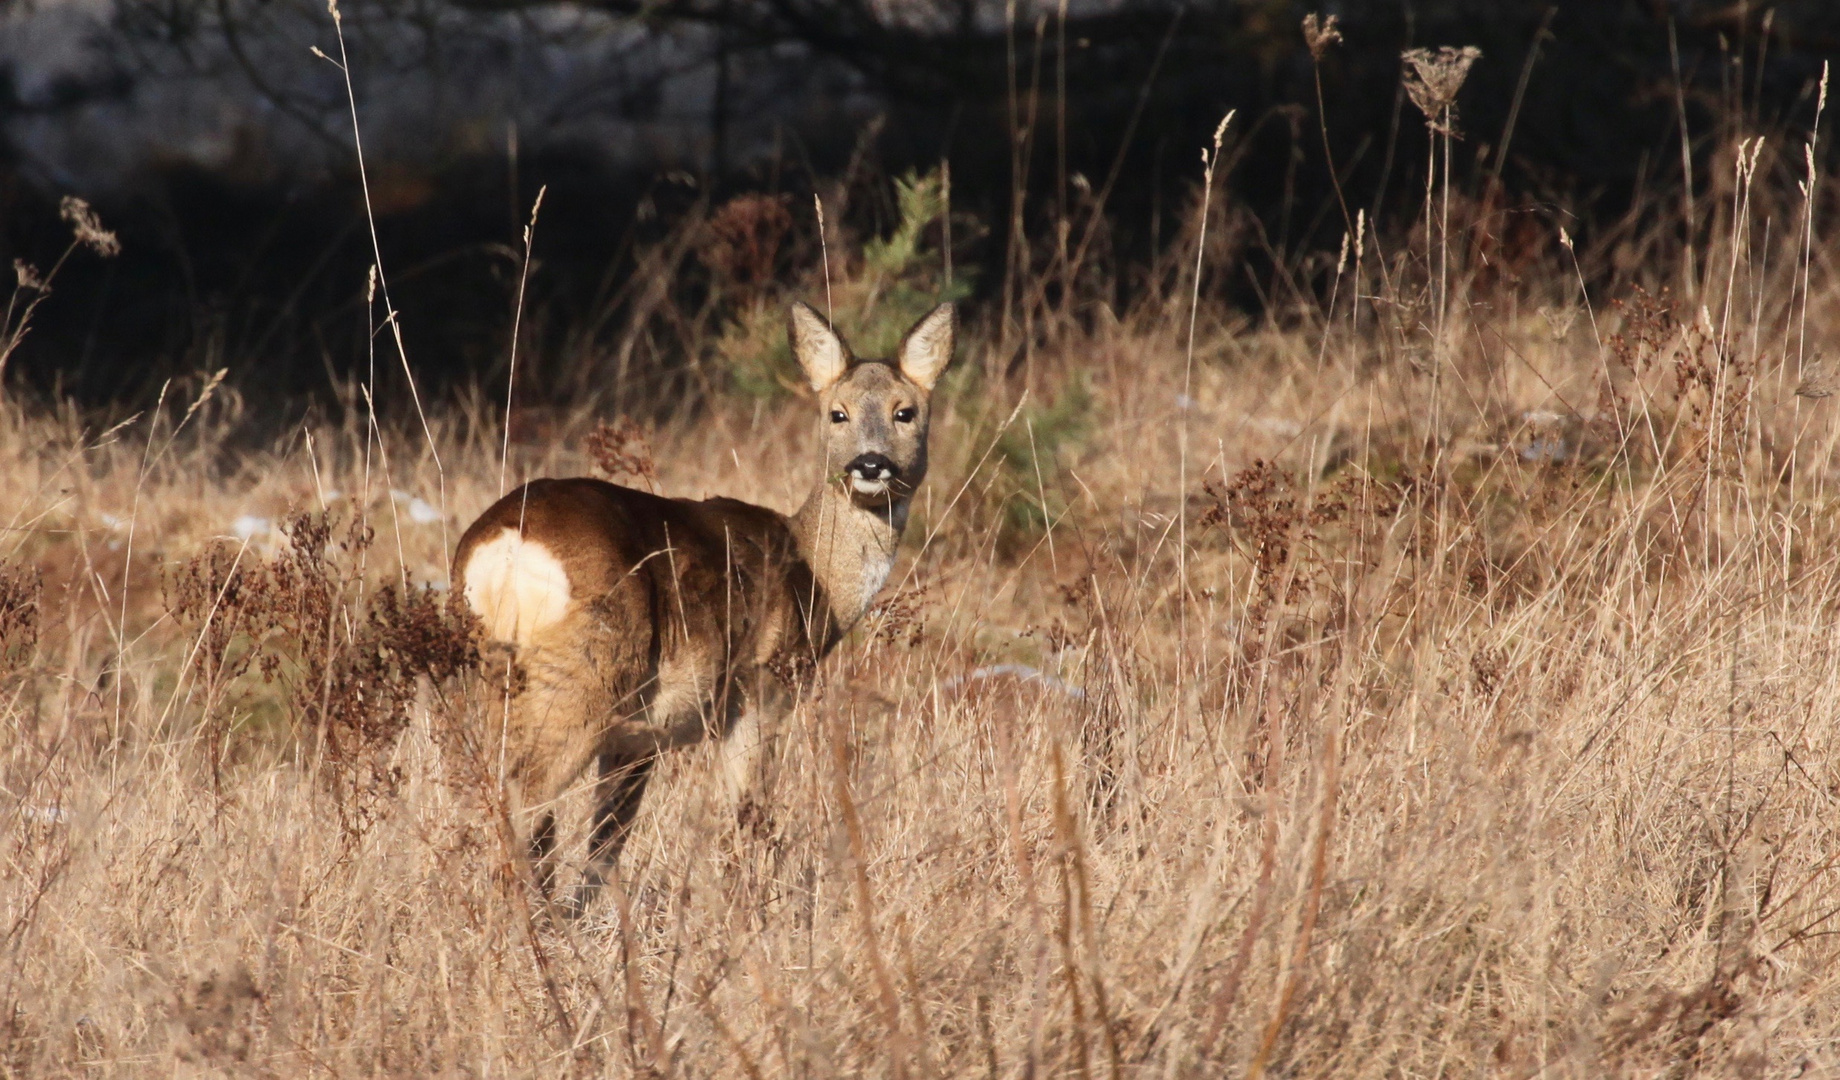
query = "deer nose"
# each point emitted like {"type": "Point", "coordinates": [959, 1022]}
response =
{"type": "Point", "coordinates": [873, 467]}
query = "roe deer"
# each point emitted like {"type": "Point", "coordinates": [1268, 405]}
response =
{"type": "Point", "coordinates": [640, 623]}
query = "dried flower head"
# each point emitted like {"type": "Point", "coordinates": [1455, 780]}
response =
{"type": "Point", "coordinates": [1321, 33]}
{"type": "Point", "coordinates": [741, 240]}
{"type": "Point", "coordinates": [1559, 320]}
{"type": "Point", "coordinates": [22, 591]}
{"type": "Point", "coordinates": [1818, 381]}
{"type": "Point", "coordinates": [27, 276]}
{"type": "Point", "coordinates": [622, 450]}
{"type": "Point", "coordinates": [1433, 79]}
{"type": "Point", "coordinates": [1208, 161]}
{"type": "Point", "coordinates": [1220, 129]}
{"type": "Point", "coordinates": [88, 227]}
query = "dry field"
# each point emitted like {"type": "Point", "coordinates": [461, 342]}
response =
{"type": "Point", "coordinates": [1437, 684]}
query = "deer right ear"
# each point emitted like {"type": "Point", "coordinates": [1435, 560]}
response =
{"type": "Point", "coordinates": [818, 348]}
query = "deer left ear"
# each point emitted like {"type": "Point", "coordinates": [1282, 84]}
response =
{"type": "Point", "coordinates": [927, 348]}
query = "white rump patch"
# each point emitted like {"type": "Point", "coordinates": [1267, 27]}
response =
{"type": "Point", "coordinates": [516, 587]}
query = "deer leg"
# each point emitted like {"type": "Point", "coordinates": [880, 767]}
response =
{"type": "Point", "coordinates": [620, 788]}
{"type": "Point", "coordinates": [557, 704]}
{"type": "Point", "coordinates": [543, 852]}
{"type": "Point", "coordinates": [540, 748]}
{"type": "Point", "coordinates": [525, 763]}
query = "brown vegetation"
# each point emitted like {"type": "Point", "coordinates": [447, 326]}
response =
{"type": "Point", "coordinates": [1470, 713]}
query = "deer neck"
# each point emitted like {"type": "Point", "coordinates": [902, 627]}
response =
{"type": "Point", "coordinates": [850, 548]}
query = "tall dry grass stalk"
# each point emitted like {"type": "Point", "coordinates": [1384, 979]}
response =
{"type": "Point", "coordinates": [1433, 78]}
{"type": "Point", "coordinates": [1512, 759]}
{"type": "Point", "coordinates": [517, 325]}
{"type": "Point", "coordinates": [31, 285]}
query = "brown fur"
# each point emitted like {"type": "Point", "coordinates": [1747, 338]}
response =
{"type": "Point", "coordinates": [639, 623]}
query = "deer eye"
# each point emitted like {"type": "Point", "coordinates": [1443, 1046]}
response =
{"type": "Point", "coordinates": [905, 414]}
{"type": "Point", "coordinates": [838, 416]}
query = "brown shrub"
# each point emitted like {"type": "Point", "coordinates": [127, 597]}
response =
{"type": "Point", "coordinates": [348, 657]}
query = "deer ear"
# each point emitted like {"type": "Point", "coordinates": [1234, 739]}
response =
{"type": "Point", "coordinates": [819, 350]}
{"type": "Point", "coordinates": [927, 348]}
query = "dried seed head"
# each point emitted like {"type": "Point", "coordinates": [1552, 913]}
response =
{"type": "Point", "coordinates": [1319, 34]}
{"type": "Point", "coordinates": [622, 450]}
{"type": "Point", "coordinates": [1746, 166]}
{"type": "Point", "coordinates": [210, 387]}
{"type": "Point", "coordinates": [1433, 79]}
{"type": "Point", "coordinates": [27, 276]}
{"type": "Point", "coordinates": [1559, 320]}
{"type": "Point", "coordinates": [88, 227]}
{"type": "Point", "coordinates": [1220, 129]}
{"type": "Point", "coordinates": [1818, 381]}
{"type": "Point", "coordinates": [1208, 161]}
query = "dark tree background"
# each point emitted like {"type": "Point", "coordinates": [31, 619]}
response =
{"type": "Point", "coordinates": [220, 146]}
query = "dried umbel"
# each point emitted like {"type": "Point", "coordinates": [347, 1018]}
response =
{"type": "Point", "coordinates": [1320, 33]}
{"type": "Point", "coordinates": [88, 227]}
{"type": "Point", "coordinates": [1433, 78]}
{"type": "Point", "coordinates": [1818, 381]}
{"type": "Point", "coordinates": [27, 276]}
{"type": "Point", "coordinates": [1559, 319]}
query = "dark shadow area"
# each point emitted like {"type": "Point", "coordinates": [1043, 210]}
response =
{"type": "Point", "coordinates": [254, 256]}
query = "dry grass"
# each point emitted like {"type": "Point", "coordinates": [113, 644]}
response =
{"type": "Point", "coordinates": [1484, 727]}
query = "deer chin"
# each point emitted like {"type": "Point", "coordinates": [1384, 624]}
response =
{"type": "Point", "coordinates": [869, 487]}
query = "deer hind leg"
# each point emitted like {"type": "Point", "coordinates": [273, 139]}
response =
{"type": "Point", "coordinates": [543, 852]}
{"type": "Point", "coordinates": [555, 714]}
{"type": "Point", "coordinates": [535, 751]}
{"type": "Point", "coordinates": [618, 793]}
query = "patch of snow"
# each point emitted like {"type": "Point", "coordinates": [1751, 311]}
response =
{"type": "Point", "coordinates": [1019, 672]}
{"type": "Point", "coordinates": [249, 526]}
{"type": "Point", "coordinates": [1546, 450]}
{"type": "Point", "coordinates": [1276, 425]}
{"type": "Point", "coordinates": [420, 511]}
